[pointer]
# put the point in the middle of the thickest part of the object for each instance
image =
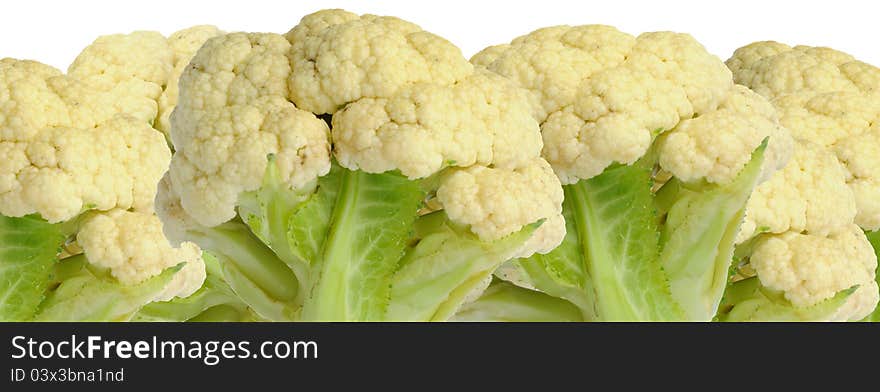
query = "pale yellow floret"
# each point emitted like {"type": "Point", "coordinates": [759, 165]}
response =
{"type": "Point", "coordinates": [602, 96]}
{"type": "Point", "coordinates": [400, 99]}
{"type": "Point", "coordinates": [135, 66]}
{"type": "Point", "coordinates": [717, 145]}
{"type": "Point", "coordinates": [483, 120]}
{"type": "Point", "coordinates": [846, 123]}
{"type": "Point", "coordinates": [233, 112]}
{"type": "Point", "coordinates": [498, 202]}
{"type": "Point", "coordinates": [809, 195]}
{"type": "Point", "coordinates": [183, 44]}
{"type": "Point", "coordinates": [810, 268]}
{"type": "Point", "coordinates": [826, 97]}
{"type": "Point", "coordinates": [135, 255]}
{"type": "Point", "coordinates": [773, 69]}
{"type": "Point", "coordinates": [83, 141]}
{"type": "Point", "coordinates": [338, 57]}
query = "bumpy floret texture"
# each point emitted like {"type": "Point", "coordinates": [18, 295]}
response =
{"type": "Point", "coordinates": [83, 141]}
{"type": "Point", "coordinates": [233, 112]}
{"type": "Point", "coordinates": [183, 44]}
{"type": "Point", "coordinates": [400, 99]}
{"type": "Point", "coordinates": [133, 256]}
{"type": "Point", "coordinates": [59, 162]}
{"type": "Point", "coordinates": [809, 195]}
{"type": "Point", "coordinates": [810, 268]}
{"type": "Point", "coordinates": [603, 96]}
{"type": "Point", "coordinates": [471, 196]}
{"type": "Point", "coordinates": [701, 148]}
{"type": "Point", "coordinates": [829, 98]}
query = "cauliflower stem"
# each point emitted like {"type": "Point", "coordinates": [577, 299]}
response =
{"type": "Point", "coordinates": [355, 248]}
{"type": "Point", "coordinates": [622, 260]}
{"type": "Point", "coordinates": [505, 302]}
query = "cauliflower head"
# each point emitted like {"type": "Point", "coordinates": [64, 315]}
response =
{"type": "Point", "coordinates": [804, 229]}
{"type": "Point", "coordinates": [811, 268]}
{"type": "Point", "coordinates": [343, 112]}
{"type": "Point", "coordinates": [85, 161]}
{"type": "Point", "coordinates": [603, 96]}
{"type": "Point", "coordinates": [651, 139]}
{"type": "Point", "coordinates": [826, 97]}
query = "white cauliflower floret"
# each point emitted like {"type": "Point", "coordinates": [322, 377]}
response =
{"type": "Point", "coordinates": [83, 141]}
{"type": "Point", "coordinates": [233, 112]}
{"type": "Point", "coordinates": [398, 98]}
{"type": "Point", "coordinates": [717, 145]}
{"type": "Point", "coordinates": [183, 44]}
{"type": "Point", "coordinates": [829, 98]}
{"type": "Point", "coordinates": [482, 120]}
{"type": "Point", "coordinates": [603, 96]}
{"type": "Point", "coordinates": [496, 202]}
{"type": "Point", "coordinates": [809, 195]}
{"type": "Point", "coordinates": [135, 65]}
{"type": "Point", "coordinates": [60, 172]}
{"type": "Point", "coordinates": [846, 124]}
{"type": "Point", "coordinates": [773, 69]}
{"type": "Point", "coordinates": [810, 268]}
{"type": "Point", "coordinates": [339, 57]}
{"type": "Point", "coordinates": [861, 157]}
{"type": "Point", "coordinates": [110, 241]}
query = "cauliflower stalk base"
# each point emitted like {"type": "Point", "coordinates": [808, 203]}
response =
{"type": "Point", "coordinates": [353, 246]}
{"type": "Point", "coordinates": [632, 255]}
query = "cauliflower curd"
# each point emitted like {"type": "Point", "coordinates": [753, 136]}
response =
{"type": "Point", "coordinates": [80, 152]}
{"type": "Point", "coordinates": [358, 120]}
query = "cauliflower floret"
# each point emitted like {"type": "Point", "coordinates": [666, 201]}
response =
{"type": "Point", "coordinates": [339, 57]}
{"type": "Point", "coordinates": [228, 121]}
{"type": "Point", "coordinates": [83, 141]}
{"type": "Point", "coordinates": [717, 145]}
{"type": "Point", "coordinates": [810, 268]}
{"type": "Point", "coordinates": [773, 69]}
{"type": "Point", "coordinates": [496, 202]}
{"type": "Point", "coordinates": [809, 195]}
{"type": "Point", "coordinates": [133, 256]}
{"type": "Point", "coordinates": [846, 124]}
{"type": "Point", "coordinates": [398, 98]}
{"type": "Point", "coordinates": [861, 157]}
{"type": "Point", "coordinates": [59, 172]}
{"type": "Point", "coordinates": [829, 98]}
{"type": "Point", "coordinates": [136, 66]}
{"type": "Point", "coordinates": [482, 120]}
{"type": "Point", "coordinates": [603, 96]}
{"type": "Point", "coordinates": [183, 44]}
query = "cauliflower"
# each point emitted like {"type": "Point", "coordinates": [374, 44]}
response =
{"type": "Point", "coordinates": [803, 233]}
{"type": "Point", "coordinates": [828, 98]}
{"type": "Point", "coordinates": [303, 161]}
{"type": "Point", "coordinates": [619, 113]}
{"type": "Point", "coordinates": [81, 170]}
{"type": "Point", "coordinates": [811, 268]}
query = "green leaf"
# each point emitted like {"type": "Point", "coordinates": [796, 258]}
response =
{"type": "Point", "coordinates": [619, 243]}
{"type": "Point", "coordinates": [747, 300]}
{"type": "Point", "coordinates": [215, 296]}
{"type": "Point", "coordinates": [369, 230]}
{"type": "Point", "coordinates": [86, 296]}
{"type": "Point", "coordinates": [268, 212]}
{"type": "Point", "coordinates": [252, 270]}
{"type": "Point", "coordinates": [309, 224]}
{"type": "Point", "coordinates": [29, 247]}
{"type": "Point", "coordinates": [698, 238]}
{"type": "Point", "coordinates": [446, 265]}
{"type": "Point", "coordinates": [874, 239]}
{"type": "Point", "coordinates": [506, 302]}
{"type": "Point", "coordinates": [562, 272]}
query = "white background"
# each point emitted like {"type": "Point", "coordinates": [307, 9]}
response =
{"type": "Point", "coordinates": [54, 31]}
